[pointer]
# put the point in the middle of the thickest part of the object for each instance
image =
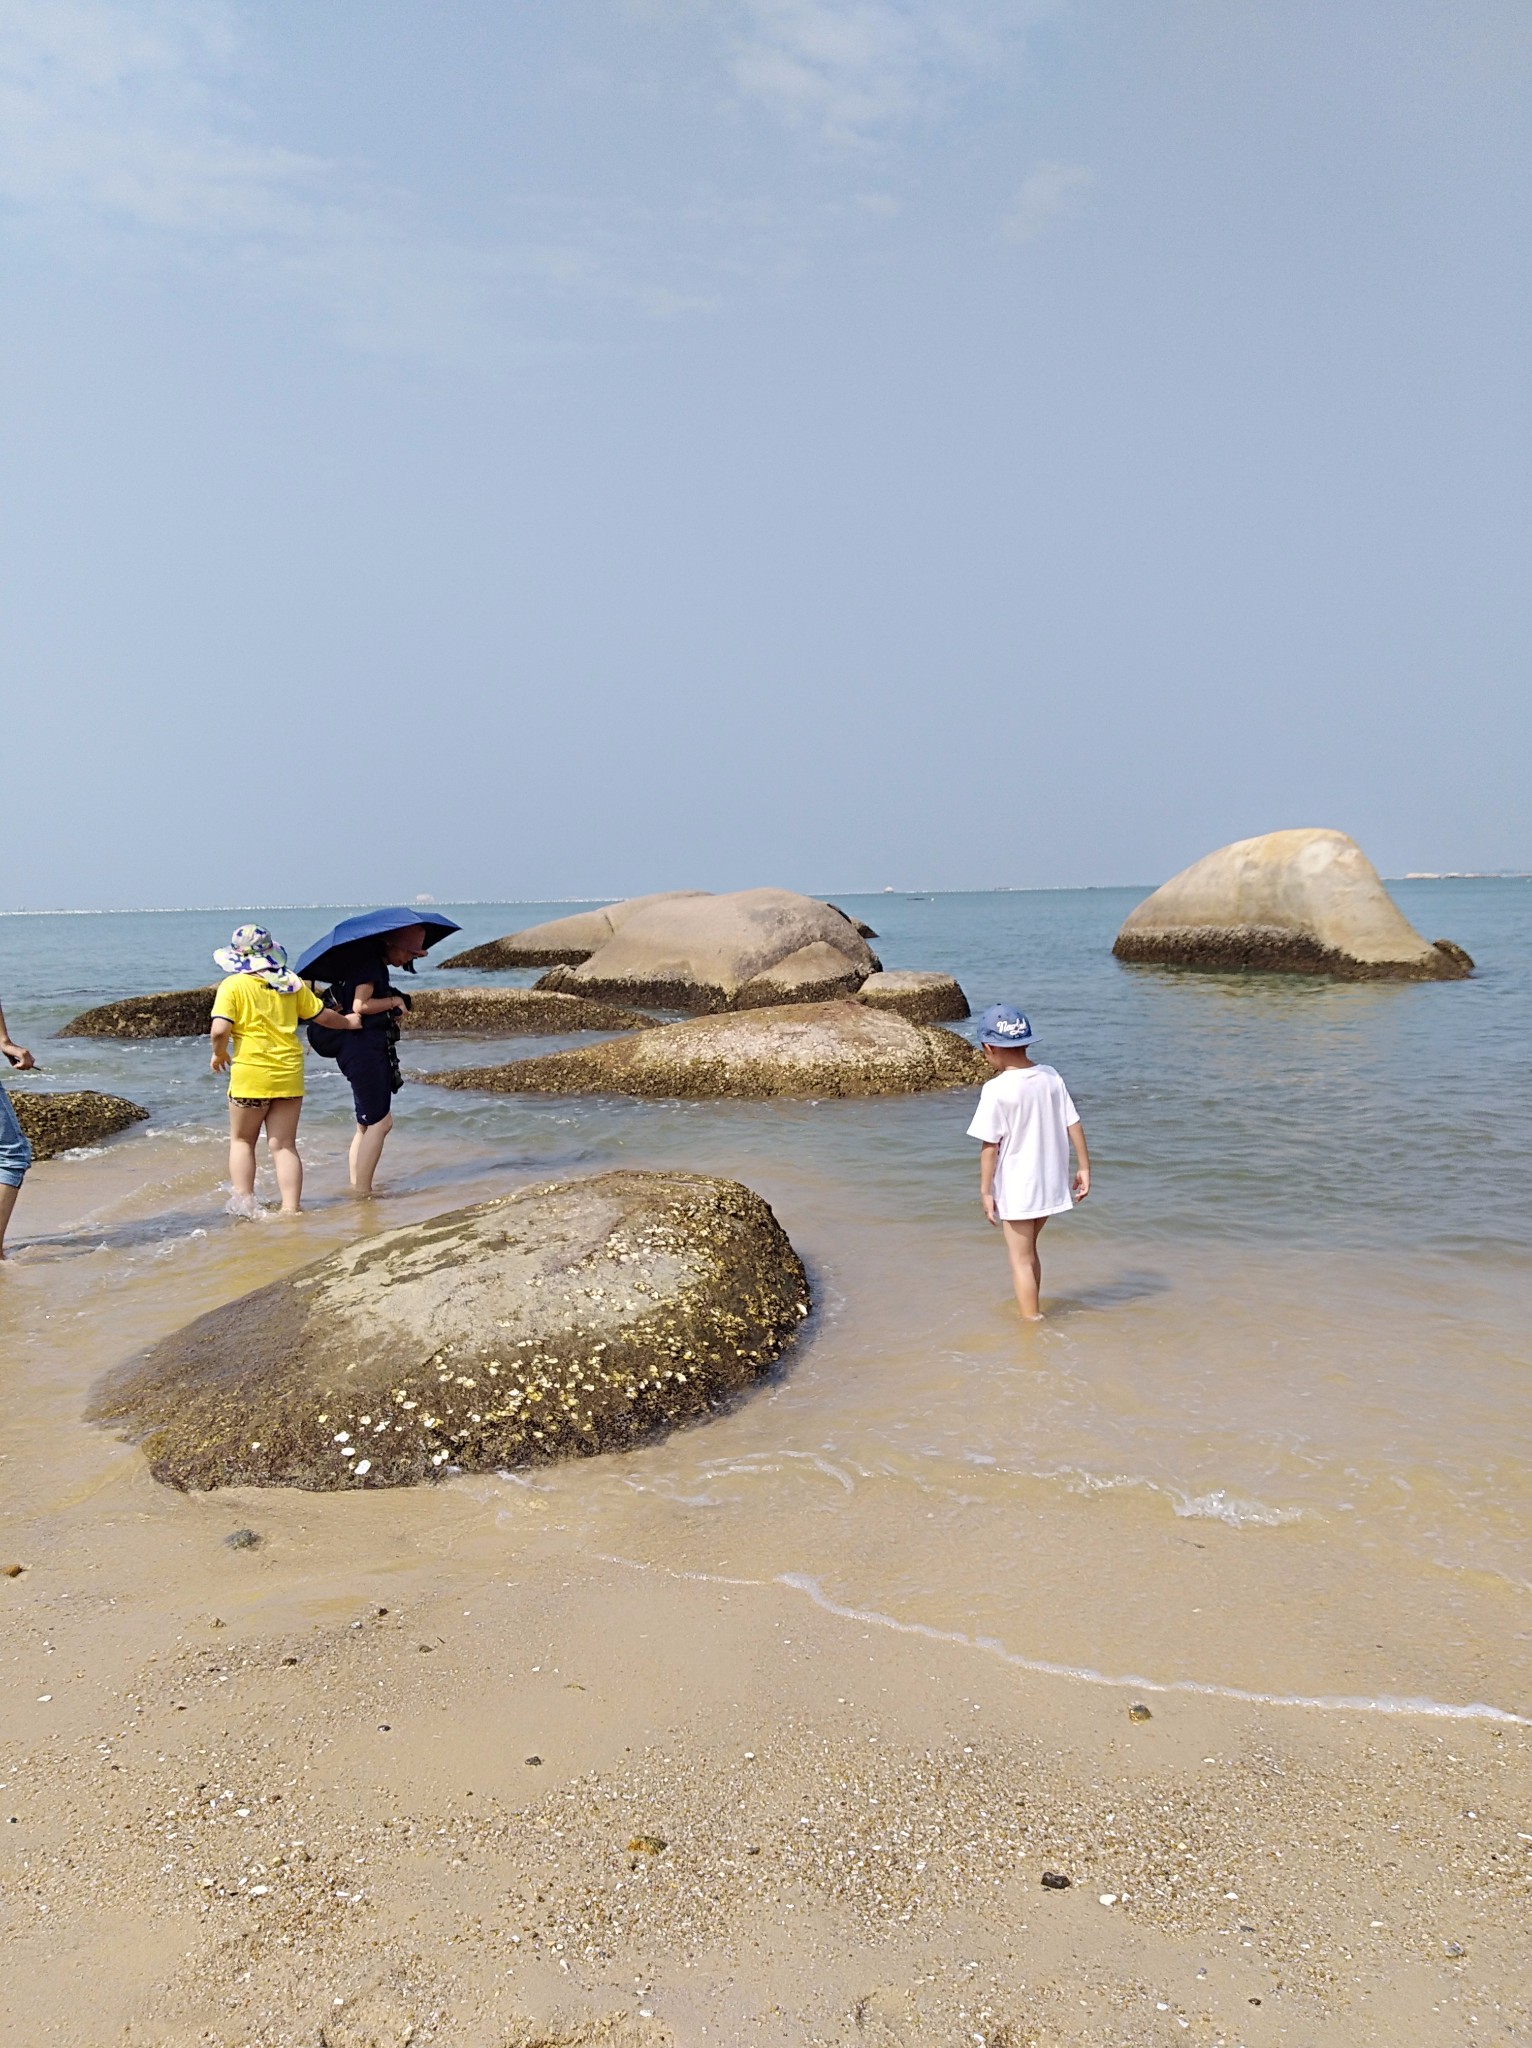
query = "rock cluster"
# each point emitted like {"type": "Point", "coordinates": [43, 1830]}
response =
{"type": "Point", "coordinates": [514, 1013]}
{"type": "Point", "coordinates": [922, 997]}
{"type": "Point", "coordinates": [565, 1320]}
{"type": "Point", "coordinates": [744, 951]}
{"type": "Point", "coordinates": [1297, 902]}
{"type": "Point", "coordinates": [176, 1013]}
{"type": "Point", "coordinates": [807, 1050]}
{"type": "Point", "coordinates": [55, 1123]}
{"type": "Point", "coordinates": [563, 941]}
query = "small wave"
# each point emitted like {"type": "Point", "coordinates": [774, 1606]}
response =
{"type": "Point", "coordinates": [1216, 1506]}
{"type": "Point", "coordinates": [1388, 1704]}
{"type": "Point", "coordinates": [1219, 1506]}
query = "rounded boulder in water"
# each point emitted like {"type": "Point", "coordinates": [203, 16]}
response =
{"type": "Point", "coordinates": [567, 1319]}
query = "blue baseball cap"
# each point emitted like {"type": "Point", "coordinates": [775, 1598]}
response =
{"type": "Point", "coordinates": [1003, 1024]}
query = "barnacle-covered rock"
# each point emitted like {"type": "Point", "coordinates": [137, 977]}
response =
{"type": "Point", "coordinates": [1307, 901]}
{"type": "Point", "coordinates": [745, 951]}
{"type": "Point", "coordinates": [174, 1013]}
{"type": "Point", "coordinates": [567, 1319]}
{"type": "Point", "coordinates": [924, 998]}
{"type": "Point", "coordinates": [56, 1122]}
{"type": "Point", "coordinates": [514, 1013]}
{"type": "Point", "coordinates": [807, 1049]}
{"type": "Point", "coordinates": [563, 941]}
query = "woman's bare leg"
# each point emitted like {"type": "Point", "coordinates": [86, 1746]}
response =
{"type": "Point", "coordinates": [245, 1120]}
{"type": "Point", "coordinates": [1026, 1267]}
{"type": "Point", "coordinates": [366, 1150]}
{"type": "Point", "coordinates": [282, 1137]}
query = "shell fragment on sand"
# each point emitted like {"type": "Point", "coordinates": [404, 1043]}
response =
{"type": "Point", "coordinates": [1295, 902]}
{"type": "Point", "coordinates": [514, 1013]}
{"type": "Point", "coordinates": [567, 1319]}
{"type": "Point", "coordinates": [563, 941]}
{"type": "Point", "coordinates": [807, 1050]}
{"type": "Point", "coordinates": [55, 1123]}
{"type": "Point", "coordinates": [173, 1013]}
{"type": "Point", "coordinates": [924, 998]}
{"type": "Point", "coordinates": [748, 950]}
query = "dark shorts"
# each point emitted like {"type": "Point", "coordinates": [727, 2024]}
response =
{"type": "Point", "coordinates": [368, 1065]}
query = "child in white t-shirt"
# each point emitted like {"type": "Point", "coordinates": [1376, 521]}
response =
{"type": "Point", "coordinates": [1026, 1123]}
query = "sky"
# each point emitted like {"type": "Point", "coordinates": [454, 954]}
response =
{"type": "Point", "coordinates": [504, 450]}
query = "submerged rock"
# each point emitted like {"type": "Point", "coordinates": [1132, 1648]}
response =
{"type": "Point", "coordinates": [923, 997]}
{"type": "Point", "coordinates": [1299, 902]}
{"type": "Point", "coordinates": [175, 1013]}
{"type": "Point", "coordinates": [514, 1013]}
{"type": "Point", "coordinates": [562, 941]}
{"type": "Point", "coordinates": [55, 1123]}
{"type": "Point", "coordinates": [745, 951]}
{"type": "Point", "coordinates": [807, 1050]}
{"type": "Point", "coordinates": [567, 1319]}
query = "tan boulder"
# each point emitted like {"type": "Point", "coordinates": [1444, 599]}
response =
{"type": "Point", "coordinates": [1296, 902]}
{"type": "Point", "coordinates": [174, 1013]}
{"type": "Point", "coordinates": [562, 941]}
{"type": "Point", "coordinates": [812, 1050]}
{"type": "Point", "coordinates": [55, 1122]}
{"type": "Point", "coordinates": [924, 998]}
{"type": "Point", "coordinates": [747, 950]}
{"type": "Point", "coordinates": [514, 1013]}
{"type": "Point", "coordinates": [564, 1320]}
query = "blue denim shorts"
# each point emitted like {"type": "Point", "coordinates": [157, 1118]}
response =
{"type": "Point", "coordinates": [15, 1152]}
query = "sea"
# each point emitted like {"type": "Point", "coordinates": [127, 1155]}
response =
{"type": "Point", "coordinates": [1270, 1440]}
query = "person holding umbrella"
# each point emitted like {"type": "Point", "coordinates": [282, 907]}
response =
{"type": "Point", "coordinates": [355, 960]}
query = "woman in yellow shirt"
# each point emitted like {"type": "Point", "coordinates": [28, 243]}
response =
{"type": "Point", "coordinates": [256, 1013]}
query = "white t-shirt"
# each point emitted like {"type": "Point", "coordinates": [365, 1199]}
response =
{"type": "Point", "coordinates": [1027, 1112]}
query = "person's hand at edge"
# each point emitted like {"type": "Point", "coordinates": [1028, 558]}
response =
{"type": "Point", "coordinates": [18, 1055]}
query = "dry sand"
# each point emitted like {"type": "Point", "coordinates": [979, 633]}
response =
{"type": "Point", "coordinates": [360, 1789]}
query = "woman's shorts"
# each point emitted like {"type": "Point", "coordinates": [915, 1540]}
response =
{"type": "Point", "coordinates": [367, 1066]}
{"type": "Point", "coordinates": [15, 1152]}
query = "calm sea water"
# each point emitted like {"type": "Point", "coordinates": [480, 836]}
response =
{"type": "Point", "coordinates": [1271, 1437]}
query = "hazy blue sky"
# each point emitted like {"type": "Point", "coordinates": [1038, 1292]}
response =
{"type": "Point", "coordinates": [558, 447]}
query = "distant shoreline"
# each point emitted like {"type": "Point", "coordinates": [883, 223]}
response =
{"type": "Point", "coordinates": [484, 902]}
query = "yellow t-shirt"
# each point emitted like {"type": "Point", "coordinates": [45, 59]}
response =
{"type": "Point", "coordinates": [268, 1058]}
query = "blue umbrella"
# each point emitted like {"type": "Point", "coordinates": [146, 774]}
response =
{"type": "Point", "coordinates": [316, 964]}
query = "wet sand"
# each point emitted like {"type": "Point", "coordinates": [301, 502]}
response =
{"type": "Point", "coordinates": [282, 1793]}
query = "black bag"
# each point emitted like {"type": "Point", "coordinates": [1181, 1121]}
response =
{"type": "Point", "coordinates": [327, 1041]}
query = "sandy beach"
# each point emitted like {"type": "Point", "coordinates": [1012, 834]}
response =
{"type": "Point", "coordinates": [358, 1785]}
{"type": "Point", "coordinates": [770, 1731]}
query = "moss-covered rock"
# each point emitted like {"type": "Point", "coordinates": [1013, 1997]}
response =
{"type": "Point", "coordinates": [922, 997]}
{"type": "Point", "coordinates": [514, 1013]}
{"type": "Point", "coordinates": [807, 1050]}
{"type": "Point", "coordinates": [56, 1122]}
{"type": "Point", "coordinates": [568, 1319]}
{"type": "Point", "coordinates": [175, 1013]}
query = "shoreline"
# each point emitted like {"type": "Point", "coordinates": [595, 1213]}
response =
{"type": "Point", "coordinates": [321, 1788]}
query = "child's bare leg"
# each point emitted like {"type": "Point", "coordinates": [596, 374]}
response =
{"type": "Point", "coordinates": [1026, 1267]}
{"type": "Point", "coordinates": [366, 1151]}
{"type": "Point", "coordinates": [7, 1204]}
{"type": "Point", "coordinates": [245, 1120]}
{"type": "Point", "coordinates": [282, 1137]}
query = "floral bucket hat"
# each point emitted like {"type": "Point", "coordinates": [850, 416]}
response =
{"type": "Point", "coordinates": [252, 950]}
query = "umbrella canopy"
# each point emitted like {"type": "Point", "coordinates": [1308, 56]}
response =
{"type": "Point", "coordinates": [317, 965]}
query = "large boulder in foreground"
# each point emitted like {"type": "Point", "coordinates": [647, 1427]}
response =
{"type": "Point", "coordinates": [570, 1318]}
{"type": "Point", "coordinates": [743, 951]}
{"type": "Point", "coordinates": [57, 1122]}
{"type": "Point", "coordinates": [811, 1050]}
{"type": "Point", "coordinates": [1300, 902]}
{"type": "Point", "coordinates": [925, 998]}
{"type": "Point", "coordinates": [562, 941]}
{"type": "Point", "coordinates": [175, 1013]}
{"type": "Point", "coordinates": [514, 1013]}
